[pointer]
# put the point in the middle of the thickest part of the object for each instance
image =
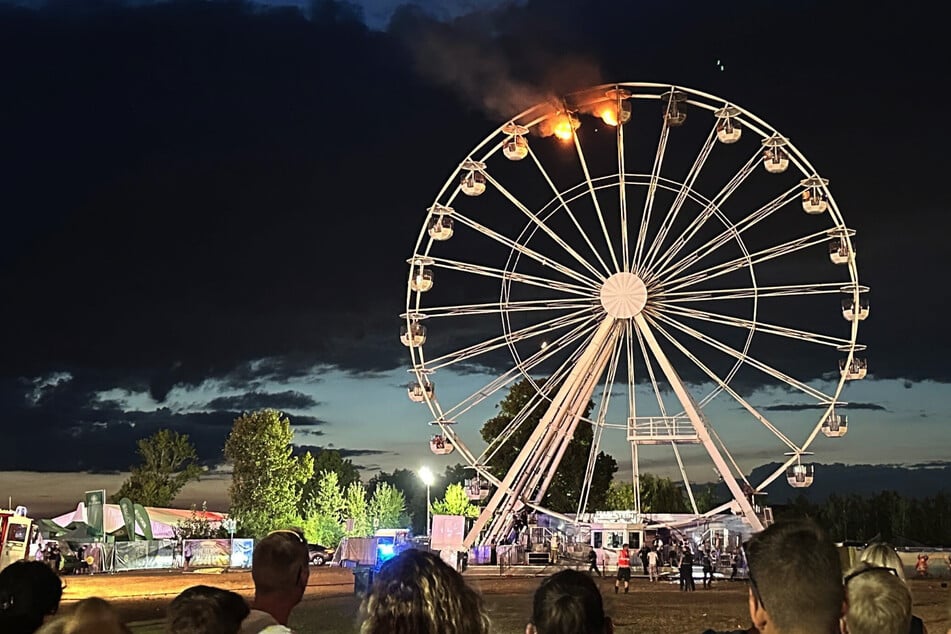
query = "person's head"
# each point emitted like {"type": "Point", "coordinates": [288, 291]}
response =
{"type": "Point", "coordinates": [883, 555]}
{"type": "Point", "coordinates": [280, 565]}
{"type": "Point", "coordinates": [206, 610]}
{"type": "Point", "coordinates": [795, 579]}
{"type": "Point", "coordinates": [417, 593]}
{"type": "Point", "coordinates": [879, 602]}
{"type": "Point", "coordinates": [568, 602]}
{"type": "Point", "coordinates": [625, 547]}
{"type": "Point", "coordinates": [89, 616]}
{"type": "Point", "coordinates": [29, 592]}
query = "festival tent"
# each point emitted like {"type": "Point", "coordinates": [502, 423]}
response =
{"type": "Point", "coordinates": [164, 521]}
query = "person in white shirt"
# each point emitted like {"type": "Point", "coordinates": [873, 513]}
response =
{"type": "Point", "coordinates": [652, 559]}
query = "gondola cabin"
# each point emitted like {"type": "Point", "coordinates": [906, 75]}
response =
{"type": "Point", "coordinates": [440, 445]}
{"type": "Point", "coordinates": [800, 476]}
{"type": "Point", "coordinates": [775, 160]}
{"type": "Point", "coordinates": [850, 313]}
{"type": "Point", "coordinates": [675, 113]}
{"type": "Point", "coordinates": [472, 178]}
{"type": "Point", "coordinates": [421, 392]}
{"type": "Point", "coordinates": [857, 369]}
{"type": "Point", "coordinates": [422, 280]}
{"type": "Point", "coordinates": [835, 425]}
{"type": "Point", "coordinates": [477, 489]}
{"type": "Point", "coordinates": [814, 202]}
{"type": "Point", "coordinates": [729, 131]}
{"type": "Point", "coordinates": [413, 335]}
{"type": "Point", "coordinates": [440, 225]}
{"type": "Point", "coordinates": [839, 251]}
{"type": "Point", "coordinates": [515, 146]}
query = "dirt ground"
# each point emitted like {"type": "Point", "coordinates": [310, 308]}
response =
{"type": "Point", "coordinates": [331, 607]}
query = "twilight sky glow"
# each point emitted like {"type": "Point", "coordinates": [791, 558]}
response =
{"type": "Point", "coordinates": [183, 180]}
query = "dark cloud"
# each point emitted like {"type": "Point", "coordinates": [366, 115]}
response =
{"type": "Point", "coordinates": [798, 407]}
{"type": "Point", "coordinates": [345, 453]}
{"type": "Point", "coordinates": [201, 192]}
{"type": "Point", "coordinates": [290, 399]}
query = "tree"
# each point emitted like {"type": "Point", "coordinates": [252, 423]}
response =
{"type": "Point", "coordinates": [565, 489]}
{"type": "Point", "coordinates": [414, 493]}
{"type": "Point", "coordinates": [168, 462]}
{"type": "Point", "coordinates": [267, 477]}
{"type": "Point", "coordinates": [322, 519]}
{"type": "Point", "coordinates": [387, 507]}
{"type": "Point", "coordinates": [328, 499]}
{"type": "Point", "coordinates": [197, 526]}
{"type": "Point", "coordinates": [356, 511]}
{"type": "Point", "coordinates": [329, 460]}
{"type": "Point", "coordinates": [658, 495]}
{"type": "Point", "coordinates": [456, 502]}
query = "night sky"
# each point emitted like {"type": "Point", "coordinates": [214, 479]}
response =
{"type": "Point", "coordinates": [208, 206]}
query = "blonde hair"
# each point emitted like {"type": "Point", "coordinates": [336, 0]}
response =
{"type": "Point", "coordinates": [879, 601]}
{"type": "Point", "coordinates": [418, 593]}
{"type": "Point", "coordinates": [883, 555]}
{"type": "Point", "coordinates": [90, 616]}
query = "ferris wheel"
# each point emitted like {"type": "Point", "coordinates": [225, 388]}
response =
{"type": "Point", "coordinates": [658, 252]}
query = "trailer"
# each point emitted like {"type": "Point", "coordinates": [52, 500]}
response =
{"type": "Point", "coordinates": [16, 535]}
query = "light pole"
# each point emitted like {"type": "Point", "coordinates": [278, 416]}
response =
{"type": "Point", "coordinates": [428, 478]}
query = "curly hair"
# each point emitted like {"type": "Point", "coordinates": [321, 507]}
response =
{"type": "Point", "coordinates": [418, 593]}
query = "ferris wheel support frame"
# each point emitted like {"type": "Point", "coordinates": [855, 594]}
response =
{"type": "Point", "coordinates": [537, 456]}
{"type": "Point", "coordinates": [699, 424]}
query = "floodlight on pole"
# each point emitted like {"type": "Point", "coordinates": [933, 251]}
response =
{"type": "Point", "coordinates": [426, 475]}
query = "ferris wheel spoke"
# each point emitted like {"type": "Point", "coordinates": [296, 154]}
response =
{"type": "Point", "coordinates": [681, 197]}
{"type": "Point", "coordinates": [598, 428]}
{"type": "Point", "coordinates": [493, 308]}
{"type": "Point", "coordinates": [710, 210]}
{"type": "Point", "coordinates": [819, 288]}
{"type": "Point", "coordinates": [725, 386]}
{"type": "Point", "coordinates": [663, 412]}
{"type": "Point", "coordinates": [512, 276]}
{"type": "Point", "coordinates": [622, 191]}
{"type": "Point", "coordinates": [521, 368]}
{"type": "Point", "coordinates": [503, 340]}
{"type": "Point", "coordinates": [594, 200]}
{"type": "Point", "coordinates": [779, 250]}
{"type": "Point", "coordinates": [538, 222]}
{"type": "Point", "coordinates": [541, 395]}
{"type": "Point", "coordinates": [524, 250]}
{"type": "Point", "coordinates": [571, 215]}
{"type": "Point", "coordinates": [631, 371]}
{"type": "Point", "coordinates": [745, 358]}
{"type": "Point", "coordinates": [651, 193]}
{"type": "Point", "coordinates": [758, 326]}
{"type": "Point", "coordinates": [730, 234]}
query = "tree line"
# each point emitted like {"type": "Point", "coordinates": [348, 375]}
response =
{"type": "Point", "coordinates": [884, 516]}
{"type": "Point", "coordinates": [273, 486]}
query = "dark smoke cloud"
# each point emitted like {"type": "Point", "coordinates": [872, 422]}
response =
{"type": "Point", "coordinates": [471, 57]}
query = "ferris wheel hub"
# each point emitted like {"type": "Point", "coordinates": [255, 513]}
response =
{"type": "Point", "coordinates": [623, 295]}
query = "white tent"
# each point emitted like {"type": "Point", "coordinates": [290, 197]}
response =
{"type": "Point", "coordinates": [163, 520]}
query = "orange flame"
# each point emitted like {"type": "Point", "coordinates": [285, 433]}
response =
{"type": "Point", "coordinates": [608, 114]}
{"type": "Point", "coordinates": [564, 127]}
